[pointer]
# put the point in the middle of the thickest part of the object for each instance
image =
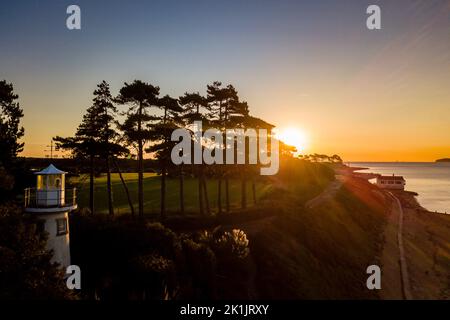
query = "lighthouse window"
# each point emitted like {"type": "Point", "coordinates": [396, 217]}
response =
{"type": "Point", "coordinates": [61, 226]}
{"type": "Point", "coordinates": [51, 181]}
{"type": "Point", "coordinates": [40, 182]}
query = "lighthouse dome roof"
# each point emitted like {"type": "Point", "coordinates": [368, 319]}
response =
{"type": "Point", "coordinates": [51, 169]}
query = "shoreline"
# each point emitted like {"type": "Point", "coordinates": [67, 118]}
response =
{"type": "Point", "coordinates": [408, 197]}
{"type": "Point", "coordinates": [409, 201]}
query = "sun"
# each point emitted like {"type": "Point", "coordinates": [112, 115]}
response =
{"type": "Point", "coordinates": [294, 137]}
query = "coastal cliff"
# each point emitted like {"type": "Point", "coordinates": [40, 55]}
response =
{"type": "Point", "coordinates": [425, 246]}
{"type": "Point", "coordinates": [311, 236]}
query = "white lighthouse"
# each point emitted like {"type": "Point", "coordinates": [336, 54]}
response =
{"type": "Point", "coordinates": [51, 202]}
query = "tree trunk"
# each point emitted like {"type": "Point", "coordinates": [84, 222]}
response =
{"type": "Point", "coordinates": [219, 181]}
{"type": "Point", "coordinates": [205, 193]}
{"type": "Point", "coordinates": [200, 191]}
{"type": "Point", "coordinates": [254, 191]}
{"type": "Point", "coordinates": [109, 187]}
{"type": "Point", "coordinates": [181, 189]}
{"type": "Point", "coordinates": [227, 195]}
{"type": "Point", "coordinates": [140, 167]}
{"type": "Point", "coordinates": [91, 183]}
{"type": "Point", "coordinates": [163, 174]}
{"type": "Point", "coordinates": [243, 191]}
{"type": "Point", "coordinates": [127, 192]}
{"type": "Point", "coordinates": [219, 194]}
{"type": "Point", "coordinates": [163, 191]}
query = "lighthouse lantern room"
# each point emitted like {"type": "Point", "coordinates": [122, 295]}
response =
{"type": "Point", "coordinates": [51, 203]}
{"type": "Point", "coordinates": [50, 187]}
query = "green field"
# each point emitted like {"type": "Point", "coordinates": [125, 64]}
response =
{"type": "Point", "coordinates": [152, 193]}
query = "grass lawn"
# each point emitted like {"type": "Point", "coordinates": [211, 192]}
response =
{"type": "Point", "coordinates": [152, 193]}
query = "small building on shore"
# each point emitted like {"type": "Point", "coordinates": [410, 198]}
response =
{"type": "Point", "coordinates": [391, 182]}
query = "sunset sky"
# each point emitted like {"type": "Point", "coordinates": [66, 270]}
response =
{"type": "Point", "coordinates": [381, 95]}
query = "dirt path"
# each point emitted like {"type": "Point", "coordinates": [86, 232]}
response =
{"type": "Point", "coordinates": [391, 284]}
{"type": "Point", "coordinates": [416, 254]}
{"type": "Point", "coordinates": [394, 265]}
{"type": "Point", "coordinates": [327, 194]}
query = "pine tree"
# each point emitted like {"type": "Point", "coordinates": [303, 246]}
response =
{"type": "Point", "coordinates": [10, 134]}
{"type": "Point", "coordinates": [193, 104]}
{"type": "Point", "coordinates": [241, 118]}
{"type": "Point", "coordinates": [140, 97]}
{"type": "Point", "coordinates": [84, 145]}
{"type": "Point", "coordinates": [162, 144]}
{"type": "Point", "coordinates": [220, 100]}
{"type": "Point", "coordinates": [95, 138]}
{"type": "Point", "coordinates": [105, 111]}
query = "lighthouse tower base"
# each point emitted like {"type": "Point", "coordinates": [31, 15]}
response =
{"type": "Point", "coordinates": [58, 242]}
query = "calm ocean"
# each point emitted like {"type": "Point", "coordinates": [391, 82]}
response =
{"type": "Point", "coordinates": [429, 179]}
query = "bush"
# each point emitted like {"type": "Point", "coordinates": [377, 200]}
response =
{"type": "Point", "coordinates": [124, 258]}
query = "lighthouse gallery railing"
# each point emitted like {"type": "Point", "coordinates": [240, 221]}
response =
{"type": "Point", "coordinates": [50, 198]}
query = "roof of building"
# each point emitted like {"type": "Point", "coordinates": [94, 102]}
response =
{"type": "Point", "coordinates": [51, 169]}
{"type": "Point", "coordinates": [391, 178]}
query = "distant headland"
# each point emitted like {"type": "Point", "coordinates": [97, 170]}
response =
{"type": "Point", "coordinates": [443, 160]}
